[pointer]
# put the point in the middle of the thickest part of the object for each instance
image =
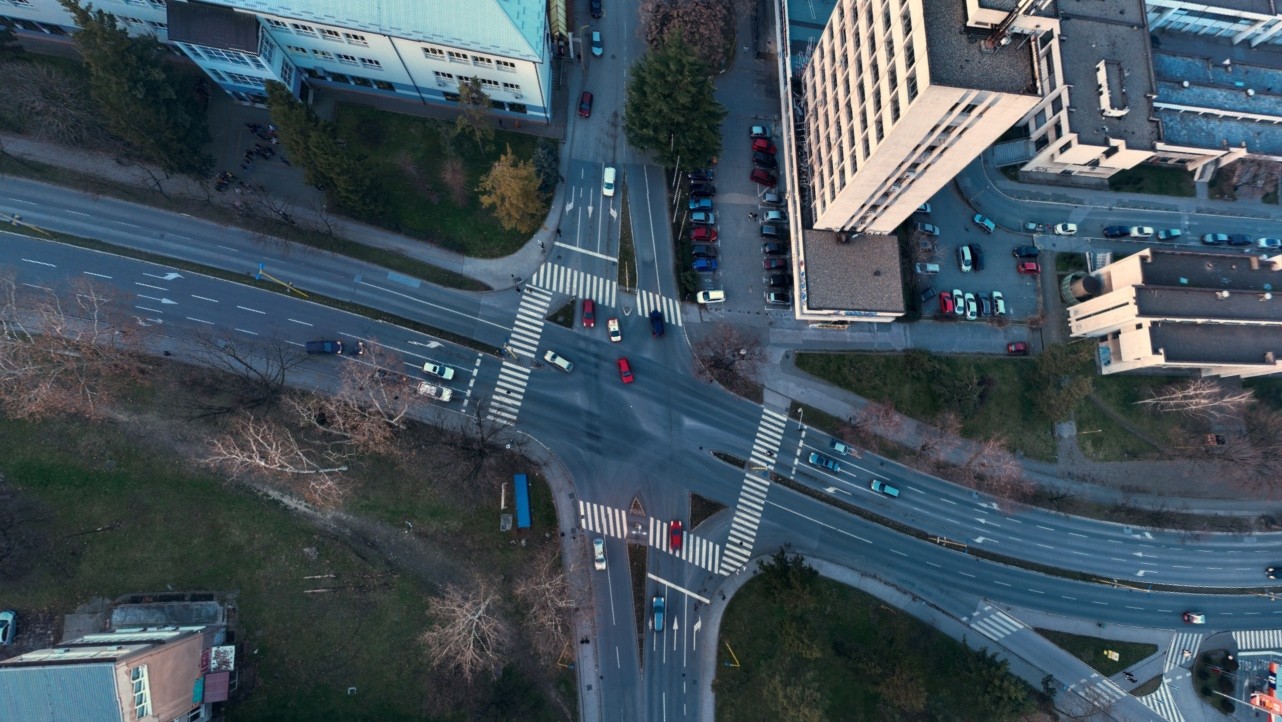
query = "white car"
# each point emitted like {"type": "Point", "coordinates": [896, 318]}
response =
{"type": "Point", "coordinates": [598, 554]}
{"type": "Point", "coordinates": [929, 229]}
{"type": "Point", "coordinates": [7, 620]}
{"type": "Point", "coordinates": [959, 301]}
{"type": "Point", "coordinates": [558, 361]}
{"type": "Point", "coordinates": [1269, 243]}
{"type": "Point", "coordinates": [607, 181]}
{"type": "Point", "coordinates": [972, 307]}
{"type": "Point", "coordinates": [1141, 232]}
{"type": "Point", "coordinates": [1066, 229]}
{"type": "Point", "coordinates": [964, 260]}
{"type": "Point", "coordinates": [706, 297]}
{"type": "Point", "coordinates": [999, 303]}
{"type": "Point", "coordinates": [441, 370]}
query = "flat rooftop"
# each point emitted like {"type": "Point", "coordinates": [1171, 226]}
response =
{"type": "Point", "coordinates": [1240, 272]}
{"type": "Point", "coordinates": [1115, 33]}
{"type": "Point", "coordinates": [1215, 343]}
{"type": "Point", "coordinates": [1217, 86]}
{"type": "Point", "coordinates": [1200, 303]}
{"type": "Point", "coordinates": [957, 58]}
{"type": "Point", "coordinates": [862, 275]}
{"type": "Point", "coordinates": [1252, 6]}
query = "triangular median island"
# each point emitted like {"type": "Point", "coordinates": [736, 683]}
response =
{"type": "Point", "coordinates": [636, 508]}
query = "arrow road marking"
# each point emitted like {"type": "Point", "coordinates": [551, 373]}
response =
{"type": "Point", "coordinates": [429, 344]}
{"type": "Point", "coordinates": [167, 277]}
{"type": "Point", "coordinates": [694, 640]}
{"type": "Point", "coordinates": [981, 540]}
{"type": "Point", "coordinates": [162, 300]}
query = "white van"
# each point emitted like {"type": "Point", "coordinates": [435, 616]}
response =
{"type": "Point", "coordinates": [607, 181]}
{"type": "Point", "coordinates": [706, 297]}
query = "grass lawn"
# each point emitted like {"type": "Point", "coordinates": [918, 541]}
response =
{"type": "Point", "coordinates": [409, 154]}
{"type": "Point", "coordinates": [1116, 442]}
{"type": "Point", "coordinates": [846, 656]}
{"type": "Point", "coordinates": [1007, 408]}
{"type": "Point", "coordinates": [1091, 651]}
{"type": "Point", "coordinates": [1153, 179]}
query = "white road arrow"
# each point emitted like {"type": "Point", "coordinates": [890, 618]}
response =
{"type": "Point", "coordinates": [1141, 572]}
{"type": "Point", "coordinates": [569, 206]}
{"type": "Point", "coordinates": [694, 642]}
{"type": "Point", "coordinates": [162, 300]}
{"type": "Point", "coordinates": [982, 520]}
{"type": "Point", "coordinates": [981, 540]}
{"type": "Point", "coordinates": [674, 624]}
{"type": "Point", "coordinates": [429, 344]}
{"type": "Point", "coordinates": [990, 505]}
{"type": "Point", "coordinates": [144, 323]}
{"type": "Point", "coordinates": [167, 277]}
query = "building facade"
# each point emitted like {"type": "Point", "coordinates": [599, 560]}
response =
{"type": "Point", "coordinates": [414, 50]}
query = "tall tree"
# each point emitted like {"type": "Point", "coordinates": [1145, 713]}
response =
{"type": "Point", "coordinates": [671, 108]}
{"type": "Point", "coordinates": [476, 111]}
{"type": "Point", "coordinates": [511, 189]}
{"type": "Point", "coordinates": [9, 47]}
{"type": "Point", "coordinates": [142, 99]}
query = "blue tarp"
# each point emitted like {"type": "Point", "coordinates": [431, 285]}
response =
{"type": "Point", "coordinates": [522, 501]}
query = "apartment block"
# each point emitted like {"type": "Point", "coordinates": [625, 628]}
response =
{"type": "Point", "coordinates": [1209, 314]}
{"type": "Point", "coordinates": [414, 50]}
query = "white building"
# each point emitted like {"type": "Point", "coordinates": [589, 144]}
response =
{"type": "Point", "coordinates": [416, 50]}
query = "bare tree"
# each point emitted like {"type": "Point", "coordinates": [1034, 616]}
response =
{"type": "Point", "coordinates": [63, 352]}
{"type": "Point", "coordinates": [476, 437]}
{"type": "Point", "coordinates": [545, 595]}
{"type": "Point", "coordinates": [372, 403]}
{"type": "Point", "coordinates": [991, 468]}
{"type": "Point", "coordinates": [252, 375]}
{"type": "Point", "coordinates": [469, 634]}
{"type": "Point", "coordinates": [729, 357]}
{"type": "Point", "coordinates": [1202, 398]}
{"type": "Point", "coordinates": [254, 444]}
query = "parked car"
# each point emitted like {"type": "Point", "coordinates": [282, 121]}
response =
{"type": "Point", "coordinates": [704, 250]}
{"type": "Point", "coordinates": [700, 204]}
{"type": "Point", "coordinates": [959, 302]}
{"type": "Point", "coordinates": [763, 145]}
{"type": "Point", "coordinates": [977, 253]}
{"type": "Point", "coordinates": [1018, 348]}
{"type": "Point", "coordinates": [1031, 227]}
{"type": "Point", "coordinates": [984, 224]}
{"type": "Point", "coordinates": [1194, 618]}
{"type": "Point", "coordinates": [928, 228]}
{"type": "Point", "coordinates": [702, 174]}
{"type": "Point", "coordinates": [779, 298]}
{"type": "Point", "coordinates": [676, 535]}
{"type": "Point", "coordinates": [713, 296]}
{"type": "Point", "coordinates": [558, 361]}
{"type": "Point", "coordinates": [1214, 239]}
{"type": "Point", "coordinates": [597, 49]}
{"type": "Point", "coordinates": [926, 268]}
{"type": "Point", "coordinates": [612, 330]}
{"type": "Point", "coordinates": [8, 620]}
{"type": "Point", "coordinates": [335, 347]}
{"type": "Point", "coordinates": [842, 448]}
{"type": "Point", "coordinates": [882, 487]}
{"type": "Point", "coordinates": [945, 302]}
{"type": "Point", "coordinates": [438, 392]}
{"type": "Point", "coordinates": [1140, 232]}
{"type": "Point", "coordinates": [585, 105]}
{"type": "Point", "coordinates": [1028, 268]}
{"type": "Point", "coordinates": [774, 217]}
{"type": "Point", "coordinates": [706, 235]}
{"type": "Point", "coordinates": [928, 293]}
{"type": "Point", "coordinates": [759, 131]}
{"type": "Point", "coordinates": [972, 307]}
{"type": "Point", "coordinates": [1170, 234]}
{"type": "Point", "coordinates": [656, 323]}
{"type": "Point", "coordinates": [656, 606]}
{"type": "Point", "coordinates": [625, 370]}
{"type": "Point", "coordinates": [1269, 243]}
{"type": "Point", "coordinates": [1272, 572]}
{"type": "Point", "coordinates": [774, 249]}
{"type": "Point", "coordinates": [594, 7]}
{"type": "Point", "coordinates": [598, 554]}
{"type": "Point", "coordinates": [1065, 229]}
{"type": "Point", "coordinates": [999, 303]}
{"type": "Point", "coordinates": [1116, 231]}
{"type": "Point", "coordinates": [763, 177]}
{"type": "Point", "coordinates": [923, 208]}
{"type": "Point", "coordinates": [1238, 239]}
{"type": "Point", "coordinates": [440, 370]}
{"type": "Point", "coordinates": [704, 265]}
{"type": "Point", "coordinates": [985, 305]}
{"type": "Point", "coordinates": [773, 230]}
{"type": "Point", "coordinates": [702, 189]}
{"type": "Point", "coordinates": [771, 199]}
{"type": "Point", "coordinates": [824, 462]}
{"type": "Point", "coordinates": [774, 264]}
{"type": "Point", "coordinates": [964, 260]}
{"type": "Point", "coordinates": [1025, 252]}
{"type": "Point", "coordinates": [589, 313]}
{"type": "Point", "coordinates": [703, 218]}
{"type": "Point", "coordinates": [764, 160]}
{"type": "Point", "coordinates": [778, 280]}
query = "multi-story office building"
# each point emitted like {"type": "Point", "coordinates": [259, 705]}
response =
{"type": "Point", "coordinates": [1212, 314]}
{"type": "Point", "coordinates": [415, 50]}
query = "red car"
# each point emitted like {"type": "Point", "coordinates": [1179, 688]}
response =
{"type": "Point", "coordinates": [763, 177]}
{"type": "Point", "coordinates": [774, 264]}
{"type": "Point", "coordinates": [1028, 268]}
{"type": "Point", "coordinates": [704, 234]}
{"type": "Point", "coordinates": [676, 533]}
{"type": "Point", "coordinates": [946, 302]}
{"type": "Point", "coordinates": [589, 313]}
{"type": "Point", "coordinates": [585, 105]}
{"type": "Point", "coordinates": [763, 145]}
{"type": "Point", "coordinates": [625, 371]}
{"type": "Point", "coordinates": [1019, 348]}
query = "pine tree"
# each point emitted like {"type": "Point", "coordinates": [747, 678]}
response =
{"type": "Point", "coordinates": [671, 108]}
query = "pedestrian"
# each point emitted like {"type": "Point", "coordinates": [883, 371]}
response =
{"type": "Point", "coordinates": [542, 246]}
{"type": "Point", "coordinates": [753, 216]}
{"type": "Point", "coordinates": [558, 233]}
{"type": "Point", "coordinates": [500, 122]}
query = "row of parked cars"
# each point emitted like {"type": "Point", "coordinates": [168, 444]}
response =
{"type": "Point", "coordinates": [972, 305]}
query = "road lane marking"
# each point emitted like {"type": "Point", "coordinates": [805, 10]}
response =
{"type": "Point", "coordinates": [39, 263]}
{"type": "Point", "coordinates": [97, 275]}
{"type": "Point", "coordinates": [676, 587]}
{"type": "Point", "coordinates": [301, 323]}
{"type": "Point", "coordinates": [252, 310]}
{"type": "Point", "coordinates": [200, 320]}
{"type": "Point", "coordinates": [214, 300]}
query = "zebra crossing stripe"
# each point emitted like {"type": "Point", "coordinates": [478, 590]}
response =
{"type": "Point", "coordinates": [997, 625]}
{"type": "Point", "coordinates": [1181, 642]}
{"type": "Point", "coordinates": [505, 404]}
{"type": "Point", "coordinates": [603, 519]}
{"type": "Point", "coordinates": [1163, 703]}
{"type": "Point", "coordinates": [1258, 639]}
{"type": "Point", "coordinates": [555, 278]}
{"type": "Point", "coordinates": [752, 495]}
{"type": "Point", "coordinates": [695, 550]}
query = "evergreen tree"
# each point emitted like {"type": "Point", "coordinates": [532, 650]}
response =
{"type": "Point", "coordinates": [142, 99]}
{"type": "Point", "coordinates": [671, 108]}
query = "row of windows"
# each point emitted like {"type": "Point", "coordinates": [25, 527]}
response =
{"type": "Point", "coordinates": [337, 36]}
{"type": "Point", "coordinates": [454, 56]}
{"type": "Point", "coordinates": [142, 691]}
{"type": "Point", "coordinates": [446, 79]}
{"type": "Point", "coordinates": [144, 24]}
{"type": "Point", "coordinates": [146, 3]}
{"type": "Point", "coordinates": [247, 81]}
{"type": "Point", "coordinates": [231, 57]}
{"type": "Point", "coordinates": [327, 56]}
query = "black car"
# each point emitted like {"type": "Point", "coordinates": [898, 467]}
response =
{"type": "Point", "coordinates": [771, 230]}
{"type": "Point", "coordinates": [778, 280]}
{"type": "Point", "coordinates": [702, 190]}
{"type": "Point", "coordinates": [1237, 239]}
{"type": "Point", "coordinates": [985, 306]}
{"type": "Point", "coordinates": [977, 253]}
{"type": "Point", "coordinates": [595, 8]}
{"type": "Point", "coordinates": [1025, 252]}
{"type": "Point", "coordinates": [774, 249]}
{"type": "Point", "coordinates": [656, 323]}
{"type": "Point", "coordinates": [928, 294]}
{"type": "Point", "coordinates": [324, 347]}
{"type": "Point", "coordinates": [705, 250]}
{"type": "Point", "coordinates": [702, 174]}
{"type": "Point", "coordinates": [1116, 231]}
{"type": "Point", "coordinates": [764, 160]}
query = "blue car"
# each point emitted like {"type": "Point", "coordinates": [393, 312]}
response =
{"type": "Point", "coordinates": [703, 218]}
{"type": "Point", "coordinates": [658, 614]}
{"type": "Point", "coordinates": [656, 323]}
{"type": "Point", "coordinates": [824, 462]}
{"type": "Point", "coordinates": [705, 265]}
{"type": "Point", "coordinates": [700, 204]}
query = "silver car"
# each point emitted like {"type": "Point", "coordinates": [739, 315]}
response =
{"type": "Point", "coordinates": [972, 308]}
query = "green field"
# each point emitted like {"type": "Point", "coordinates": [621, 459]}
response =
{"type": "Point", "coordinates": [1091, 651]}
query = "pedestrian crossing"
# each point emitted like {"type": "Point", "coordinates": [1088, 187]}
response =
{"type": "Point", "coordinates": [1098, 691]}
{"type": "Point", "coordinates": [572, 282]}
{"type": "Point", "coordinates": [752, 497]}
{"type": "Point", "coordinates": [993, 623]}
{"type": "Point", "coordinates": [505, 404]}
{"type": "Point", "coordinates": [531, 314]}
{"type": "Point", "coordinates": [695, 550]}
{"type": "Point", "coordinates": [603, 519]}
{"type": "Point", "coordinates": [1259, 639]}
{"type": "Point", "coordinates": [1163, 703]}
{"type": "Point", "coordinates": [1175, 656]}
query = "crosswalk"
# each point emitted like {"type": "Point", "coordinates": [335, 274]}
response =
{"type": "Point", "coordinates": [648, 301]}
{"type": "Point", "coordinates": [752, 497]}
{"type": "Point", "coordinates": [1163, 703]}
{"type": "Point", "coordinates": [531, 314]}
{"type": "Point", "coordinates": [1099, 691]}
{"type": "Point", "coordinates": [573, 282]}
{"type": "Point", "coordinates": [993, 623]}
{"type": "Point", "coordinates": [695, 550]}
{"type": "Point", "coordinates": [603, 519]}
{"type": "Point", "coordinates": [505, 404]}
{"type": "Point", "coordinates": [1175, 656]}
{"type": "Point", "coordinates": [1258, 639]}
